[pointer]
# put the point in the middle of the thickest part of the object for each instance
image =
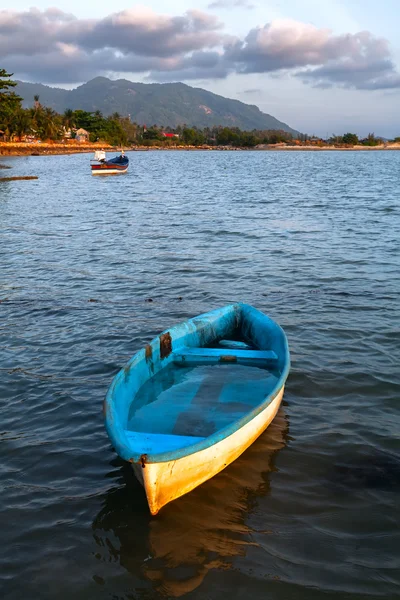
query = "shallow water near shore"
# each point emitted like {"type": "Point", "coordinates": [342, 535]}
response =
{"type": "Point", "coordinates": [311, 510]}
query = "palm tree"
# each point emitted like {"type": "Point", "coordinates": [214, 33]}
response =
{"type": "Point", "coordinates": [7, 125]}
{"type": "Point", "coordinates": [36, 112]}
{"type": "Point", "coordinates": [68, 119]}
{"type": "Point", "coordinates": [51, 124]}
{"type": "Point", "coordinates": [21, 123]}
{"type": "Point", "coordinates": [68, 122]}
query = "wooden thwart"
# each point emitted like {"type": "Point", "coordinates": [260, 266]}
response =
{"type": "Point", "coordinates": [187, 355]}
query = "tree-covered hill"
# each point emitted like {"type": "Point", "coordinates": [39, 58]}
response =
{"type": "Point", "coordinates": [168, 104]}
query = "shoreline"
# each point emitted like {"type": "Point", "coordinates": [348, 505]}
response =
{"type": "Point", "coordinates": [22, 149]}
{"type": "Point", "coordinates": [358, 148]}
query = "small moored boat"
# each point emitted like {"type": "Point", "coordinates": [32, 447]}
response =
{"type": "Point", "coordinates": [100, 165]}
{"type": "Point", "coordinates": [199, 394]}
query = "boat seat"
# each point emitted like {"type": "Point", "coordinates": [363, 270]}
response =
{"type": "Point", "coordinates": [190, 355]}
{"type": "Point", "coordinates": [153, 443]}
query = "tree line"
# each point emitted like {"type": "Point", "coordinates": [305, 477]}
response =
{"type": "Point", "coordinates": [352, 139]}
{"type": "Point", "coordinates": [211, 136]}
{"type": "Point", "coordinates": [44, 123]}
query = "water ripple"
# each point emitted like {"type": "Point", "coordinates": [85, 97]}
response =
{"type": "Point", "coordinates": [92, 268]}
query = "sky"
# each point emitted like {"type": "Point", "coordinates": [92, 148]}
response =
{"type": "Point", "coordinates": [322, 66]}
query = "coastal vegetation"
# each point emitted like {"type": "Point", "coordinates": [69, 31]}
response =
{"type": "Point", "coordinates": [146, 103]}
{"type": "Point", "coordinates": [42, 123]}
{"type": "Point", "coordinates": [352, 139]}
{"type": "Point", "coordinates": [10, 102]}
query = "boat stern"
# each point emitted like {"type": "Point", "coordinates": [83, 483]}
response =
{"type": "Point", "coordinates": [167, 481]}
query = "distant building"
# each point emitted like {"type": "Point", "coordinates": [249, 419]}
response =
{"type": "Point", "coordinates": [29, 138]}
{"type": "Point", "coordinates": [169, 135]}
{"type": "Point", "coordinates": [67, 133]}
{"type": "Point", "coordinates": [82, 135]}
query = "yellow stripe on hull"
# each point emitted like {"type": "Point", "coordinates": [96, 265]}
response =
{"type": "Point", "coordinates": [108, 171]}
{"type": "Point", "coordinates": [166, 481]}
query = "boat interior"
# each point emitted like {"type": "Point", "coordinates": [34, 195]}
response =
{"type": "Point", "coordinates": [204, 388]}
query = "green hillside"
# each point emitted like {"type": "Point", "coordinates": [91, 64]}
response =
{"type": "Point", "coordinates": [167, 104]}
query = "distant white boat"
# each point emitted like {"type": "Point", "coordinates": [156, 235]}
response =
{"type": "Point", "coordinates": [101, 166]}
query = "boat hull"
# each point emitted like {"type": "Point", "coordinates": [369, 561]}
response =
{"type": "Point", "coordinates": [108, 170]}
{"type": "Point", "coordinates": [113, 166]}
{"type": "Point", "coordinates": [170, 456]}
{"type": "Point", "coordinates": [167, 481]}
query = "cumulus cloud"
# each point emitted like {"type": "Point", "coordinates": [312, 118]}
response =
{"type": "Point", "coordinates": [361, 61]}
{"type": "Point", "coordinates": [56, 47]}
{"type": "Point", "coordinates": [72, 66]}
{"type": "Point", "coordinates": [315, 55]}
{"type": "Point", "coordinates": [199, 65]}
{"type": "Point", "coordinates": [231, 4]}
{"type": "Point", "coordinates": [143, 32]}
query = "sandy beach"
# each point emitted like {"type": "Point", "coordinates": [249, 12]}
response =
{"type": "Point", "coordinates": [24, 149]}
{"type": "Point", "coordinates": [358, 147]}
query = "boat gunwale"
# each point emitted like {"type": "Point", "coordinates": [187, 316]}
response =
{"type": "Point", "coordinates": [117, 433]}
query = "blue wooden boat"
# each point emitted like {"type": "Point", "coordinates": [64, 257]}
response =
{"type": "Point", "coordinates": [100, 165]}
{"type": "Point", "coordinates": [199, 394]}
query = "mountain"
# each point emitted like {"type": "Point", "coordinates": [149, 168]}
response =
{"type": "Point", "coordinates": [167, 104]}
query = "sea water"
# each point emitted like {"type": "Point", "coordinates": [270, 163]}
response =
{"type": "Point", "coordinates": [311, 510]}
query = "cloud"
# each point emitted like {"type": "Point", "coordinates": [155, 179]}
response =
{"type": "Point", "coordinates": [68, 65]}
{"type": "Point", "coordinates": [316, 56]}
{"type": "Point", "coordinates": [143, 32]}
{"type": "Point", "coordinates": [56, 47]}
{"type": "Point", "coordinates": [227, 4]}
{"type": "Point", "coordinates": [138, 31]}
{"type": "Point", "coordinates": [363, 62]}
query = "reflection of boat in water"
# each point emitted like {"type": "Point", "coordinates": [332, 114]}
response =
{"type": "Point", "coordinates": [199, 532]}
{"type": "Point", "coordinates": [185, 407]}
{"type": "Point", "coordinates": [100, 165]}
